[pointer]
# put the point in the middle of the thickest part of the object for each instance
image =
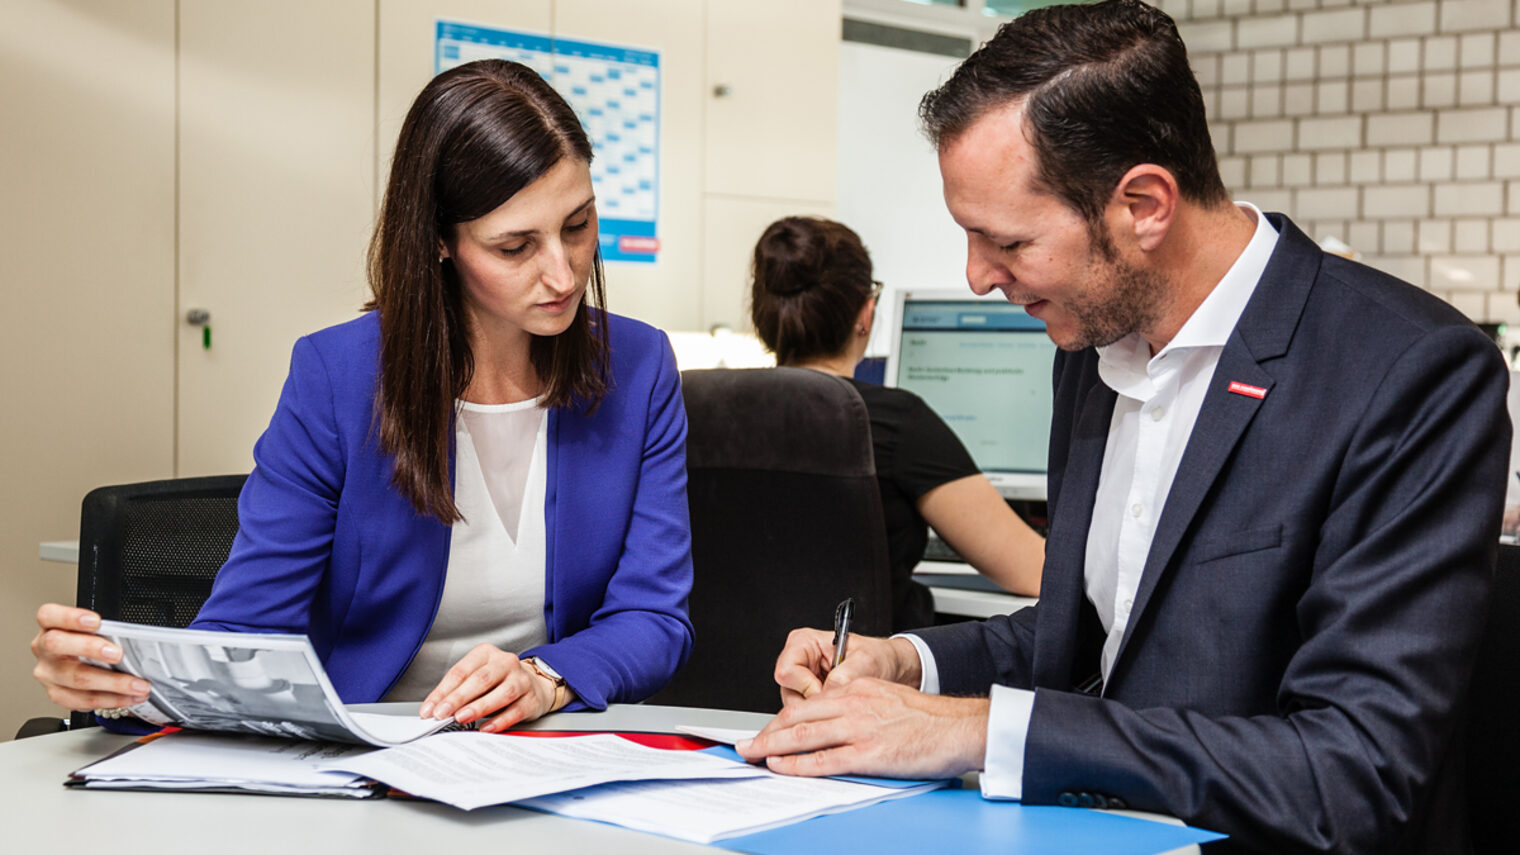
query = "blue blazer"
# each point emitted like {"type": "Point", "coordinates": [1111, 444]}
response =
{"type": "Point", "coordinates": [329, 549]}
{"type": "Point", "coordinates": [1303, 636]}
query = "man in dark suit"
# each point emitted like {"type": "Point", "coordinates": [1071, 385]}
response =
{"type": "Point", "coordinates": [1275, 488]}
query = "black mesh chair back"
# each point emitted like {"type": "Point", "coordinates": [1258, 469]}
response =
{"type": "Point", "coordinates": [786, 522]}
{"type": "Point", "coordinates": [148, 552]}
{"type": "Point", "coordinates": [1493, 737]}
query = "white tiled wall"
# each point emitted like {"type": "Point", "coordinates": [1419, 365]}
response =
{"type": "Point", "coordinates": [1393, 125]}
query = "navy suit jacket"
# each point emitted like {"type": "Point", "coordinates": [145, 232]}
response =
{"type": "Point", "coordinates": [1303, 636]}
{"type": "Point", "coordinates": [329, 549]}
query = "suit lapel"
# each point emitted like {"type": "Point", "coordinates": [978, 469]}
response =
{"type": "Point", "coordinates": [1064, 594]}
{"type": "Point", "coordinates": [1262, 334]}
{"type": "Point", "coordinates": [1221, 422]}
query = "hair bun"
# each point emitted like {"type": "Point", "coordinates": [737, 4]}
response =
{"type": "Point", "coordinates": [787, 259]}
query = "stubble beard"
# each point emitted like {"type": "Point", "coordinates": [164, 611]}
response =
{"type": "Point", "coordinates": [1132, 301]}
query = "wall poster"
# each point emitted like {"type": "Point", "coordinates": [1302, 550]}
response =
{"type": "Point", "coordinates": [615, 91]}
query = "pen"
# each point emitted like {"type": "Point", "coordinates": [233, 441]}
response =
{"type": "Point", "coordinates": [843, 614]}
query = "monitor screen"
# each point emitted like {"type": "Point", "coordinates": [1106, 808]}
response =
{"type": "Point", "coordinates": [984, 365]}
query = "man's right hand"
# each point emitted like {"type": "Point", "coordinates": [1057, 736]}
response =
{"type": "Point", "coordinates": [67, 634]}
{"type": "Point", "coordinates": [807, 662]}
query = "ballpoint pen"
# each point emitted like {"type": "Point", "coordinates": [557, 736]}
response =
{"type": "Point", "coordinates": [843, 614]}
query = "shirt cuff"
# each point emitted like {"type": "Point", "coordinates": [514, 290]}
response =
{"type": "Point", "coordinates": [929, 683]}
{"type": "Point", "coordinates": [1007, 730]}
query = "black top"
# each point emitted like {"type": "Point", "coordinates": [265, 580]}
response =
{"type": "Point", "coordinates": [915, 452]}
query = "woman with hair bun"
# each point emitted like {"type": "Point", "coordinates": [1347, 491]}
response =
{"type": "Point", "coordinates": [812, 303]}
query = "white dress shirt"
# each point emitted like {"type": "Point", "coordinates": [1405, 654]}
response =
{"type": "Point", "coordinates": [1159, 397]}
{"type": "Point", "coordinates": [493, 588]}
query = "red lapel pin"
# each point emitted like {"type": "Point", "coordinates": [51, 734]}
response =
{"type": "Point", "coordinates": [1247, 389]}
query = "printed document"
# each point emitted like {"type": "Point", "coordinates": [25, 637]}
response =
{"type": "Point", "coordinates": [471, 770]}
{"type": "Point", "coordinates": [273, 685]}
{"type": "Point", "coordinates": [705, 811]}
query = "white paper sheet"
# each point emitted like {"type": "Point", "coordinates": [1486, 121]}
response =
{"type": "Point", "coordinates": [705, 811]}
{"type": "Point", "coordinates": [471, 770]}
{"type": "Point", "coordinates": [725, 735]}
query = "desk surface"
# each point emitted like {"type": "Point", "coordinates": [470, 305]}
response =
{"type": "Point", "coordinates": [49, 817]}
{"type": "Point", "coordinates": [52, 817]}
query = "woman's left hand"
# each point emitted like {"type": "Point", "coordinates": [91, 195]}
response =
{"type": "Point", "coordinates": [489, 681]}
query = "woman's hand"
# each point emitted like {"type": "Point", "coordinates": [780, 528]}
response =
{"type": "Point", "coordinates": [489, 681]}
{"type": "Point", "coordinates": [65, 635]}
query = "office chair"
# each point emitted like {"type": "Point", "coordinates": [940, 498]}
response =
{"type": "Point", "coordinates": [1493, 734]}
{"type": "Point", "coordinates": [786, 522]}
{"type": "Point", "coordinates": [148, 553]}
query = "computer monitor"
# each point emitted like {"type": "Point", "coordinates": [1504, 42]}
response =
{"type": "Point", "coordinates": [984, 365]}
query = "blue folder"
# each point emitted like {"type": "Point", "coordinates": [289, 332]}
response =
{"type": "Point", "coordinates": [963, 822]}
{"type": "Point", "coordinates": [727, 752]}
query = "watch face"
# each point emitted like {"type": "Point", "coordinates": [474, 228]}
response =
{"type": "Point", "coordinates": [543, 667]}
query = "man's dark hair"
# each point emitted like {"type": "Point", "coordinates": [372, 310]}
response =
{"type": "Point", "coordinates": [1106, 86]}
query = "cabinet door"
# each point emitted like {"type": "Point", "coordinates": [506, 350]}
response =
{"type": "Point", "coordinates": [87, 292]}
{"type": "Point", "coordinates": [773, 84]}
{"type": "Point", "coordinates": [276, 196]}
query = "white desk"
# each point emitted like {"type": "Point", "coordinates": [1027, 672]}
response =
{"type": "Point", "coordinates": [968, 603]}
{"type": "Point", "coordinates": [66, 551]}
{"type": "Point", "coordinates": [43, 816]}
{"type": "Point", "coordinates": [977, 604]}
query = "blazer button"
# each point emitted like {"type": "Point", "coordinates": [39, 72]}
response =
{"type": "Point", "coordinates": [1116, 803]}
{"type": "Point", "coordinates": [1086, 800]}
{"type": "Point", "coordinates": [1067, 799]}
{"type": "Point", "coordinates": [1100, 801]}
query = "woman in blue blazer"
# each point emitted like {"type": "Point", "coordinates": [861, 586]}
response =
{"type": "Point", "coordinates": [480, 436]}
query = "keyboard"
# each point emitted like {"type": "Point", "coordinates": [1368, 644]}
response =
{"type": "Point", "coordinates": [938, 550]}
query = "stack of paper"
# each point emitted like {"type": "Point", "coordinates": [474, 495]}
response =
{"type": "Point", "coordinates": [693, 795]}
{"type": "Point", "coordinates": [705, 811]}
{"type": "Point", "coordinates": [227, 763]}
{"type": "Point", "coordinates": [471, 770]}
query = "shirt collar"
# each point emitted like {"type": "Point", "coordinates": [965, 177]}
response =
{"type": "Point", "coordinates": [1125, 361]}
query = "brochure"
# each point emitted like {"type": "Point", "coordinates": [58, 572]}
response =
{"type": "Point", "coordinates": [271, 685]}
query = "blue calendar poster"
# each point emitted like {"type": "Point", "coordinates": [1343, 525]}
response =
{"type": "Point", "coordinates": [616, 93]}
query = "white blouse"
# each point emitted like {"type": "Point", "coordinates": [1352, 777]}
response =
{"type": "Point", "coordinates": [493, 590]}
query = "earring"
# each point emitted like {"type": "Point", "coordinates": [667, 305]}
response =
{"type": "Point", "coordinates": [862, 330]}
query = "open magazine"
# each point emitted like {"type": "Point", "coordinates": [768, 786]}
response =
{"type": "Point", "coordinates": [272, 685]}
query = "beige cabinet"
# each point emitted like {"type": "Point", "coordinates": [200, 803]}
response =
{"type": "Point", "coordinates": [86, 288]}
{"type": "Point", "coordinates": [276, 195]}
{"type": "Point", "coordinates": [770, 134]}
{"type": "Point", "coordinates": [773, 77]}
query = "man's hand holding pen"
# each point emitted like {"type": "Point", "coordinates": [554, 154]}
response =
{"type": "Point", "coordinates": [865, 715]}
{"type": "Point", "coordinates": [806, 665]}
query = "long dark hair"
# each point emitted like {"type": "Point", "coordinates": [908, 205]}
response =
{"type": "Point", "coordinates": [1108, 87]}
{"type": "Point", "coordinates": [475, 136]}
{"type": "Point", "coordinates": [811, 277]}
